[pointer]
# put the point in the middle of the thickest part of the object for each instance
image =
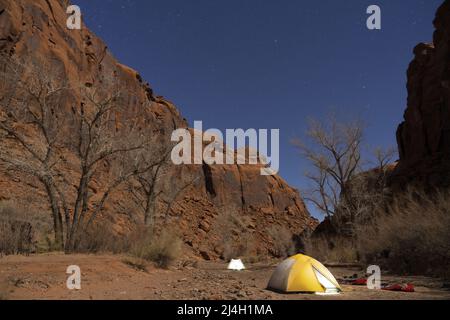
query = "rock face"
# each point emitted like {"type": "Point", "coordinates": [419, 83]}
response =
{"type": "Point", "coordinates": [424, 137]}
{"type": "Point", "coordinates": [36, 30]}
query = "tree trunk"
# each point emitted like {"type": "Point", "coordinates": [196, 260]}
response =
{"type": "Point", "coordinates": [56, 213]}
{"type": "Point", "coordinates": [70, 246]}
{"type": "Point", "coordinates": [149, 215]}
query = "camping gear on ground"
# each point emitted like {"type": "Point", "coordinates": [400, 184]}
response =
{"type": "Point", "coordinates": [359, 282]}
{"type": "Point", "coordinates": [301, 273]}
{"type": "Point", "coordinates": [398, 287]}
{"type": "Point", "coordinates": [394, 287]}
{"type": "Point", "coordinates": [354, 280]}
{"type": "Point", "coordinates": [236, 264]}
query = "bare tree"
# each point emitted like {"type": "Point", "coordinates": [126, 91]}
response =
{"type": "Point", "coordinates": [384, 157]}
{"type": "Point", "coordinates": [146, 194]}
{"type": "Point", "coordinates": [98, 143]}
{"type": "Point", "coordinates": [35, 121]}
{"type": "Point", "coordinates": [369, 188]}
{"type": "Point", "coordinates": [31, 120]}
{"type": "Point", "coordinates": [334, 151]}
{"type": "Point", "coordinates": [341, 184]}
{"type": "Point", "coordinates": [148, 191]}
{"type": "Point", "coordinates": [178, 193]}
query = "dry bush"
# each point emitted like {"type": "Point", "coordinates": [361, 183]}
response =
{"type": "Point", "coordinates": [162, 249]}
{"type": "Point", "coordinates": [101, 238]}
{"type": "Point", "coordinates": [136, 264]}
{"type": "Point", "coordinates": [412, 236]}
{"type": "Point", "coordinates": [4, 292]}
{"type": "Point", "coordinates": [233, 236]}
{"type": "Point", "coordinates": [283, 243]}
{"type": "Point", "coordinates": [331, 250]}
{"type": "Point", "coordinates": [231, 250]}
{"type": "Point", "coordinates": [250, 251]}
{"type": "Point", "coordinates": [17, 231]}
{"type": "Point", "coordinates": [236, 240]}
{"type": "Point", "coordinates": [140, 242]}
{"type": "Point", "coordinates": [242, 247]}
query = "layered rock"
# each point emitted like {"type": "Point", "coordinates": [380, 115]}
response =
{"type": "Point", "coordinates": [424, 136]}
{"type": "Point", "coordinates": [36, 31]}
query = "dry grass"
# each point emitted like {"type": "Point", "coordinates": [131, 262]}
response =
{"type": "Point", "coordinates": [334, 250]}
{"type": "Point", "coordinates": [4, 292]}
{"type": "Point", "coordinates": [3, 295]}
{"type": "Point", "coordinates": [101, 238]}
{"type": "Point", "coordinates": [136, 264]}
{"type": "Point", "coordinates": [17, 231]}
{"type": "Point", "coordinates": [162, 249]}
{"type": "Point", "coordinates": [412, 236]}
{"type": "Point", "coordinates": [23, 230]}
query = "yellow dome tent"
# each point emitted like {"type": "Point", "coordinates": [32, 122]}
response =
{"type": "Point", "coordinates": [301, 273]}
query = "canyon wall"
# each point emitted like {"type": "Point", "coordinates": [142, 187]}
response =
{"type": "Point", "coordinates": [36, 31]}
{"type": "Point", "coordinates": [424, 136]}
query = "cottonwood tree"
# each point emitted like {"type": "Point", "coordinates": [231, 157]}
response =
{"type": "Point", "coordinates": [31, 120]}
{"type": "Point", "coordinates": [104, 142]}
{"type": "Point", "coordinates": [149, 189]}
{"type": "Point", "coordinates": [178, 192]}
{"type": "Point", "coordinates": [338, 186]}
{"type": "Point", "coordinates": [383, 159]}
{"type": "Point", "coordinates": [334, 151]}
{"type": "Point", "coordinates": [35, 98]}
{"type": "Point", "coordinates": [146, 192]}
{"type": "Point", "coordinates": [368, 189]}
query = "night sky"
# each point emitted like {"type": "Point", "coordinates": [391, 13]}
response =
{"type": "Point", "coordinates": [270, 64]}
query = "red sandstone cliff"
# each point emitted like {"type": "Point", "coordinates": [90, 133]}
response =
{"type": "Point", "coordinates": [36, 30]}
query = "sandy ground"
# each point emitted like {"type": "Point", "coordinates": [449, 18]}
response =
{"type": "Point", "coordinates": [121, 277]}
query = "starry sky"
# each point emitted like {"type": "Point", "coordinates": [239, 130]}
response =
{"type": "Point", "coordinates": [270, 64]}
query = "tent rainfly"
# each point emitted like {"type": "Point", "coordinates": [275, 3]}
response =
{"type": "Point", "coordinates": [301, 273]}
{"type": "Point", "coordinates": [236, 265]}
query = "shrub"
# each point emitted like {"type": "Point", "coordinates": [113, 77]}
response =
{"type": "Point", "coordinates": [233, 239]}
{"type": "Point", "coordinates": [283, 244]}
{"type": "Point", "coordinates": [162, 249]}
{"type": "Point", "coordinates": [242, 246]}
{"type": "Point", "coordinates": [101, 237]}
{"type": "Point", "coordinates": [140, 242]}
{"type": "Point", "coordinates": [16, 231]}
{"type": "Point", "coordinates": [412, 236]}
{"type": "Point", "coordinates": [3, 294]}
{"type": "Point", "coordinates": [230, 251]}
{"type": "Point", "coordinates": [4, 290]}
{"type": "Point", "coordinates": [335, 249]}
